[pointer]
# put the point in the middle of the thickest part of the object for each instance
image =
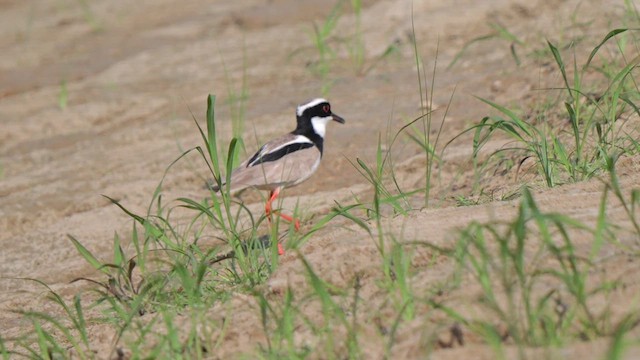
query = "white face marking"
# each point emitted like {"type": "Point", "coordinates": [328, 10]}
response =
{"type": "Point", "coordinates": [320, 124]}
{"type": "Point", "coordinates": [312, 103]}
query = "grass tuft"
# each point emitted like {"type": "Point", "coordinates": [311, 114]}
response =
{"type": "Point", "coordinates": [576, 143]}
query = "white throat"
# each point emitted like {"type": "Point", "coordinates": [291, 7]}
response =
{"type": "Point", "coordinates": [320, 124]}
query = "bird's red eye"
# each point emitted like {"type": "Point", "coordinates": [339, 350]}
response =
{"type": "Point", "coordinates": [326, 109]}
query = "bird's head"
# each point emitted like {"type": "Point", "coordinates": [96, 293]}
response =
{"type": "Point", "coordinates": [317, 114]}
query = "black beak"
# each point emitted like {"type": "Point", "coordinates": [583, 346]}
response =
{"type": "Point", "coordinates": [337, 118]}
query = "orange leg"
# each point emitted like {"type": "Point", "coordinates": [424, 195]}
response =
{"type": "Point", "coordinates": [267, 209]}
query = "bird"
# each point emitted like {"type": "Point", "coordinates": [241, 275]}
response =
{"type": "Point", "coordinates": [288, 160]}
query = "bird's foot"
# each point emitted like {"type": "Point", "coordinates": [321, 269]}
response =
{"type": "Point", "coordinates": [296, 225]}
{"type": "Point", "coordinates": [296, 222]}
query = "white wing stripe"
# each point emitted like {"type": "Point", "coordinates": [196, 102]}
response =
{"type": "Point", "coordinates": [300, 139]}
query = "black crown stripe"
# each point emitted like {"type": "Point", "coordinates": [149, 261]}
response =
{"type": "Point", "coordinates": [279, 154]}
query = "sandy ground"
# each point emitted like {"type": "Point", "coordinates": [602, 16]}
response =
{"type": "Point", "coordinates": [134, 69]}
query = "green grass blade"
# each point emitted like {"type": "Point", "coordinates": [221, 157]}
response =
{"type": "Point", "coordinates": [466, 47]}
{"type": "Point", "coordinates": [87, 255]}
{"type": "Point", "coordinates": [194, 205]}
{"type": "Point", "coordinates": [625, 71]}
{"type": "Point", "coordinates": [233, 149]}
{"type": "Point", "coordinates": [505, 34]}
{"type": "Point", "coordinates": [336, 211]}
{"type": "Point", "coordinates": [79, 320]}
{"type": "Point", "coordinates": [611, 34]}
{"type": "Point", "coordinates": [212, 140]}
{"type": "Point", "coordinates": [137, 218]}
{"type": "Point", "coordinates": [558, 58]}
{"type": "Point", "coordinates": [119, 258]}
{"type": "Point", "coordinates": [626, 99]}
{"type": "Point", "coordinates": [515, 118]}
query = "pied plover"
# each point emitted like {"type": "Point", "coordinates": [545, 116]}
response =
{"type": "Point", "coordinates": [287, 160]}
